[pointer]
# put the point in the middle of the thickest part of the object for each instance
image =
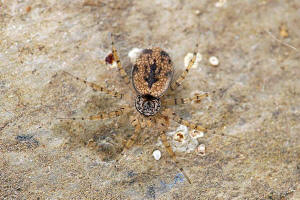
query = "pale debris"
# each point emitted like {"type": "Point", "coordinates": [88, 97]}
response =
{"type": "Point", "coordinates": [197, 12]}
{"type": "Point", "coordinates": [189, 56]}
{"type": "Point", "coordinates": [134, 53]}
{"type": "Point", "coordinates": [156, 154]}
{"type": "Point", "coordinates": [213, 60]}
{"type": "Point", "coordinates": [182, 141]}
{"type": "Point", "coordinates": [220, 3]}
{"type": "Point", "coordinates": [201, 149]}
{"type": "Point", "coordinates": [196, 134]}
{"type": "Point", "coordinates": [113, 65]}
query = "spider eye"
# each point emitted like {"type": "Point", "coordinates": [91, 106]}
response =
{"type": "Point", "coordinates": [147, 105]}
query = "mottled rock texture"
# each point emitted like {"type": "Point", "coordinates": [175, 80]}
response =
{"type": "Point", "coordinates": [252, 112]}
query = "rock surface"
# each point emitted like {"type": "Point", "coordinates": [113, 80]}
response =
{"type": "Point", "coordinates": [252, 112]}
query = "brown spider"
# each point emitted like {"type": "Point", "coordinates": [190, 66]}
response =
{"type": "Point", "coordinates": [151, 76]}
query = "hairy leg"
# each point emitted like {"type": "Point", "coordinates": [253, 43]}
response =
{"type": "Point", "coordinates": [99, 88]}
{"type": "Point", "coordinates": [102, 115]}
{"type": "Point", "coordinates": [123, 74]}
{"type": "Point", "coordinates": [179, 81]}
{"type": "Point", "coordinates": [164, 123]}
{"type": "Point", "coordinates": [177, 101]}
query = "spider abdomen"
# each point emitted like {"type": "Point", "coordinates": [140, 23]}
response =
{"type": "Point", "coordinates": [152, 72]}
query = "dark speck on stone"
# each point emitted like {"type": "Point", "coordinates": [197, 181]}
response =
{"type": "Point", "coordinates": [109, 58]}
{"type": "Point", "coordinates": [178, 178]}
{"type": "Point", "coordinates": [27, 139]}
{"type": "Point", "coordinates": [131, 174]}
{"type": "Point", "coordinates": [24, 138]}
{"type": "Point", "coordinates": [151, 191]}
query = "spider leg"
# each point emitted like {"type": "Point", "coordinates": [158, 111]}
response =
{"type": "Point", "coordinates": [96, 87]}
{"type": "Point", "coordinates": [146, 122]}
{"type": "Point", "coordinates": [180, 120]}
{"type": "Point", "coordinates": [172, 154]}
{"type": "Point", "coordinates": [179, 81]}
{"type": "Point", "coordinates": [123, 74]}
{"type": "Point", "coordinates": [102, 115]}
{"type": "Point", "coordinates": [191, 125]}
{"type": "Point", "coordinates": [176, 101]}
{"type": "Point", "coordinates": [137, 129]}
{"type": "Point", "coordinates": [163, 123]}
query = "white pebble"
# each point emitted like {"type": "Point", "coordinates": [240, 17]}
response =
{"type": "Point", "coordinates": [201, 149]}
{"type": "Point", "coordinates": [220, 3]}
{"type": "Point", "coordinates": [179, 136]}
{"type": "Point", "coordinates": [134, 53]}
{"type": "Point", "coordinates": [213, 60]}
{"type": "Point", "coordinates": [156, 154]}
{"type": "Point", "coordinates": [113, 65]}
{"type": "Point", "coordinates": [182, 141]}
{"type": "Point", "coordinates": [196, 134]}
{"type": "Point", "coordinates": [189, 57]}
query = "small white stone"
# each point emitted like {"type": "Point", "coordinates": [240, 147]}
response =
{"type": "Point", "coordinates": [213, 60]}
{"type": "Point", "coordinates": [113, 65]}
{"type": "Point", "coordinates": [189, 57]}
{"type": "Point", "coordinates": [201, 149]}
{"type": "Point", "coordinates": [220, 3]}
{"type": "Point", "coordinates": [196, 134]}
{"type": "Point", "coordinates": [179, 136]}
{"type": "Point", "coordinates": [156, 154]}
{"type": "Point", "coordinates": [134, 53]}
{"type": "Point", "coordinates": [182, 144]}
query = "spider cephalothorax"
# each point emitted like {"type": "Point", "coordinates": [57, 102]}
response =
{"type": "Point", "coordinates": [147, 105]}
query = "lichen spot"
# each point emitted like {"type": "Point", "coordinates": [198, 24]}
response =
{"type": "Point", "coordinates": [152, 73]}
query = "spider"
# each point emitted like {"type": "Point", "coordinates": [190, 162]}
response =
{"type": "Point", "coordinates": [151, 76]}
